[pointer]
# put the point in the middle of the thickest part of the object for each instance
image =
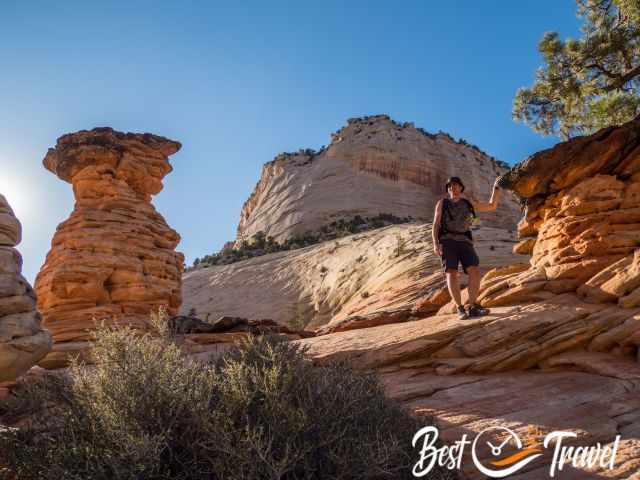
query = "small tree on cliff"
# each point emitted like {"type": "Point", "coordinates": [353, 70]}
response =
{"type": "Point", "coordinates": [589, 83]}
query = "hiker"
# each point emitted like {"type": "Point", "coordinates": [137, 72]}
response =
{"type": "Point", "coordinates": [453, 242]}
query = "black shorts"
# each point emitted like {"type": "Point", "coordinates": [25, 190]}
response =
{"type": "Point", "coordinates": [455, 251]}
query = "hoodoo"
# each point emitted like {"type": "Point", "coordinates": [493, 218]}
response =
{"type": "Point", "coordinates": [114, 258]}
{"type": "Point", "coordinates": [581, 222]}
{"type": "Point", "coordinates": [22, 341]}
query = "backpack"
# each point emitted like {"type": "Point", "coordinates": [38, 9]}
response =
{"type": "Point", "coordinates": [445, 211]}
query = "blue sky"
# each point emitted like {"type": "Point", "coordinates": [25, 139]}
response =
{"type": "Point", "coordinates": [238, 82]}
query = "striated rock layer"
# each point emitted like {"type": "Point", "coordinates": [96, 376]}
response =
{"type": "Point", "coordinates": [114, 258]}
{"type": "Point", "coordinates": [373, 165]}
{"type": "Point", "coordinates": [560, 364]}
{"type": "Point", "coordinates": [383, 275]}
{"type": "Point", "coordinates": [581, 223]}
{"type": "Point", "coordinates": [22, 341]}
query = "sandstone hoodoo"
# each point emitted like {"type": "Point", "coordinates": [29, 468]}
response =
{"type": "Point", "coordinates": [22, 341]}
{"type": "Point", "coordinates": [373, 165]}
{"type": "Point", "coordinates": [581, 222]}
{"type": "Point", "coordinates": [114, 258]}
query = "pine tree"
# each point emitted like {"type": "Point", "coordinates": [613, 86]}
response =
{"type": "Point", "coordinates": [588, 83]}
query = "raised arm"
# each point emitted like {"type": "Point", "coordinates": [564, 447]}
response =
{"type": "Point", "coordinates": [435, 231]}
{"type": "Point", "coordinates": [492, 205]}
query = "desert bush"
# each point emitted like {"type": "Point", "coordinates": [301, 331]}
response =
{"type": "Point", "coordinates": [263, 411]}
{"type": "Point", "coordinates": [261, 244]}
{"type": "Point", "coordinates": [298, 321]}
{"type": "Point", "coordinates": [400, 245]}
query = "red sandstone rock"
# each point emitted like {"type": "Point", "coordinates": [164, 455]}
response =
{"type": "Point", "coordinates": [114, 257]}
{"type": "Point", "coordinates": [582, 213]}
{"type": "Point", "coordinates": [22, 341]}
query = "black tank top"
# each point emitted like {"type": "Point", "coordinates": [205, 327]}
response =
{"type": "Point", "coordinates": [457, 218]}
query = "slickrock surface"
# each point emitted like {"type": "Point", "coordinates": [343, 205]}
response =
{"type": "Point", "coordinates": [596, 407]}
{"type": "Point", "coordinates": [582, 220]}
{"type": "Point", "coordinates": [509, 338]}
{"type": "Point", "coordinates": [22, 341]}
{"type": "Point", "coordinates": [380, 276]}
{"type": "Point", "coordinates": [372, 165]}
{"type": "Point", "coordinates": [115, 256]}
{"type": "Point", "coordinates": [553, 365]}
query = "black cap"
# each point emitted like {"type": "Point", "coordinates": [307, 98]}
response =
{"type": "Point", "coordinates": [454, 180]}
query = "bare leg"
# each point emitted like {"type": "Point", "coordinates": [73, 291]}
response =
{"type": "Point", "coordinates": [454, 286]}
{"type": "Point", "coordinates": [474, 283]}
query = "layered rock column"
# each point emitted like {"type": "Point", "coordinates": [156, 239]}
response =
{"type": "Point", "coordinates": [581, 223]}
{"type": "Point", "coordinates": [114, 259]}
{"type": "Point", "coordinates": [22, 341]}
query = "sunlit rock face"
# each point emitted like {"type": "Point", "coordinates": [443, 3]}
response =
{"type": "Point", "coordinates": [563, 327]}
{"type": "Point", "coordinates": [22, 341]}
{"type": "Point", "coordinates": [373, 165]}
{"type": "Point", "coordinates": [581, 222]}
{"type": "Point", "coordinates": [114, 258]}
{"type": "Point", "coordinates": [383, 275]}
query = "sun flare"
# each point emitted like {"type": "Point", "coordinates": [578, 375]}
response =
{"type": "Point", "coordinates": [16, 193]}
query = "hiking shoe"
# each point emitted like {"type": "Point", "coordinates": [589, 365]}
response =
{"type": "Point", "coordinates": [476, 310]}
{"type": "Point", "coordinates": [462, 313]}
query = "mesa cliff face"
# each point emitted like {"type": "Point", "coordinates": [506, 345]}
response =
{"type": "Point", "coordinates": [373, 165]}
{"type": "Point", "coordinates": [114, 258]}
{"type": "Point", "coordinates": [22, 341]}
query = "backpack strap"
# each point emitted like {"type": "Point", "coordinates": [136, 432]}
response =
{"type": "Point", "coordinates": [445, 210]}
{"type": "Point", "coordinates": [473, 212]}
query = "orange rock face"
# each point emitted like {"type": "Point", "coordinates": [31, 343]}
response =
{"type": "Point", "coordinates": [582, 218]}
{"type": "Point", "coordinates": [114, 258]}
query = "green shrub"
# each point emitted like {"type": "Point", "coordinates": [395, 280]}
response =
{"type": "Point", "coordinates": [263, 411]}
{"type": "Point", "coordinates": [400, 245]}
{"type": "Point", "coordinates": [298, 321]}
{"type": "Point", "coordinates": [261, 245]}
